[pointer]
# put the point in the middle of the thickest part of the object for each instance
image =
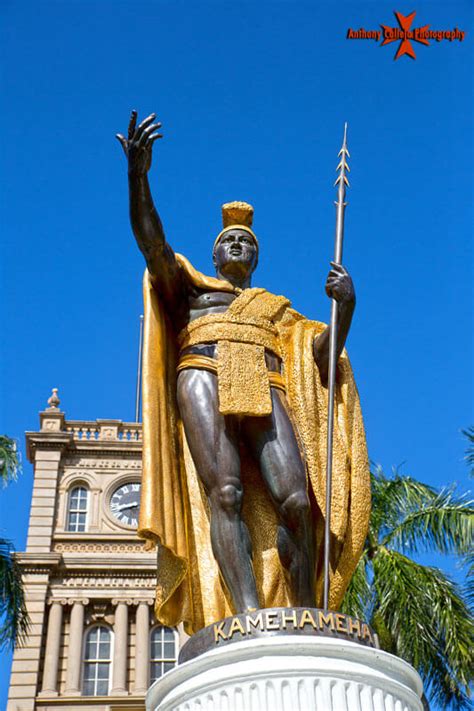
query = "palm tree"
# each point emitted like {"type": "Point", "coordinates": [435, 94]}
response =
{"type": "Point", "coordinates": [469, 457]}
{"type": "Point", "coordinates": [469, 558]}
{"type": "Point", "coordinates": [9, 460]}
{"type": "Point", "coordinates": [14, 619]}
{"type": "Point", "coordinates": [418, 613]}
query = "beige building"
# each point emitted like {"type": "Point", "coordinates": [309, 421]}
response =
{"type": "Point", "coordinates": [94, 642]}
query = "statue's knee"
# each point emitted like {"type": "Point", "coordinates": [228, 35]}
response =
{"type": "Point", "coordinates": [229, 497]}
{"type": "Point", "coordinates": [295, 508]}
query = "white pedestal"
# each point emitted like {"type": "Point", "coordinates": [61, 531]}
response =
{"type": "Point", "coordinates": [289, 673]}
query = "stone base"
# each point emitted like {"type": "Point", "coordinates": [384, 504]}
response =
{"type": "Point", "coordinates": [289, 673]}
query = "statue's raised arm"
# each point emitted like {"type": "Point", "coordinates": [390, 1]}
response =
{"type": "Point", "coordinates": [146, 223]}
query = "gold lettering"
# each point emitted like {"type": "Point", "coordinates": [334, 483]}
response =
{"type": "Point", "coordinates": [288, 617]}
{"type": "Point", "coordinates": [256, 621]}
{"type": "Point", "coordinates": [306, 616]}
{"type": "Point", "coordinates": [340, 619]}
{"type": "Point", "coordinates": [327, 620]}
{"type": "Point", "coordinates": [234, 626]}
{"type": "Point", "coordinates": [271, 620]}
{"type": "Point", "coordinates": [367, 634]}
{"type": "Point", "coordinates": [219, 631]}
{"type": "Point", "coordinates": [354, 625]}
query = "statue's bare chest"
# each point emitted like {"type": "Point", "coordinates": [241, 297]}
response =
{"type": "Point", "coordinates": [211, 302]}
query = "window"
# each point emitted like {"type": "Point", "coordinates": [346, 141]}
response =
{"type": "Point", "coordinates": [77, 511]}
{"type": "Point", "coordinates": [163, 649]}
{"type": "Point", "coordinates": [97, 661]}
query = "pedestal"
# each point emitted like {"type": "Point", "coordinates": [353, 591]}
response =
{"type": "Point", "coordinates": [289, 673]}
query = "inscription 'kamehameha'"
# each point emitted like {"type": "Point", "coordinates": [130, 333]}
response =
{"type": "Point", "coordinates": [297, 619]}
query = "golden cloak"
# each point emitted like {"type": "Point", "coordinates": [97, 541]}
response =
{"type": "Point", "coordinates": [174, 512]}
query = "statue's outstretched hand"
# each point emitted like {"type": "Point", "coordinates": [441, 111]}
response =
{"type": "Point", "coordinates": [339, 285]}
{"type": "Point", "coordinates": [138, 146]}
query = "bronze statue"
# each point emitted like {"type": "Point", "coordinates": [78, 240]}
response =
{"type": "Point", "coordinates": [234, 404]}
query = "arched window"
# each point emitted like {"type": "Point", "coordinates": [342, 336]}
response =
{"type": "Point", "coordinates": [97, 661]}
{"type": "Point", "coordinates": [163, 651]}
{"type": "Point", "coordinates": [77, 509]}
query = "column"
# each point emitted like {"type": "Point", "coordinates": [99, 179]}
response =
{"type": "Point", "coordinates": [53, 645]}
{"type": "Point", "coordinates": [142, 648]}
{"type": "Point", "coordinates": [119, 669]}
{"type": "Point", "coordinates": [74, 655]}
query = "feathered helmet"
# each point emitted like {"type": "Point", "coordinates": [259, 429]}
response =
{"type": "Point", "coordinates": [237, 215]}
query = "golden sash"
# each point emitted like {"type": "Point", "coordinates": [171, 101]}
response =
{"type": "Point", "coordinates": [242, 334]}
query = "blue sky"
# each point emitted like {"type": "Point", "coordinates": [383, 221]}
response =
{"type": "Point", "coordinates": [253, 97]}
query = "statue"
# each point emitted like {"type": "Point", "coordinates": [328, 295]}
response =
{"type": "Point", "coordinates": [234, 425]}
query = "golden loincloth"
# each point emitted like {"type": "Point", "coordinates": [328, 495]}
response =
{"type": "Point", "coordinates": [201, 362]}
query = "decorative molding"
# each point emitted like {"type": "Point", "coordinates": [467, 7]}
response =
{"type": "Point", "coordinates": [101, 611]}
{"type": "Point", "coordinates": [126, 601]}
{"type": "Point", "coordinates": [109, 581]}
{"type": "Point", "coordinates": [127, 460]}
{"type": "Point", "coordinates": [77, 601]}
{"type": "Point", "coordinates": [51, 424]}
{"type": "Point", "coordinates": [61, 600]}
{"type": "Point", "coordinates": [67, 479]}
{"type": "Point", "coordinates": [46, 440]}
{"type": "Point", "coordinates": [100, 608]}
{"type": "Point", "coordinates": [99, 547]}
{"type": "Point", "coordinates": [38, 563]}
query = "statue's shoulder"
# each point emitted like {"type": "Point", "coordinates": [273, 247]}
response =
{"type": "Point", "coordinates": [291, 318]}
{"type": "Point", "coordinates": [201, 281]}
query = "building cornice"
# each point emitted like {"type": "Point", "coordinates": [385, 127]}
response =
{"type": "Point", "coordinates": [104, 564]}
{"type": "Point", "coordinates": [46, 440]}
{"type": "Point", "coordinates": [38, 562]}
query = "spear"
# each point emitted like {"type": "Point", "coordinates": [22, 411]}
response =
{"type": "Point", "coordinates": [340, 204]}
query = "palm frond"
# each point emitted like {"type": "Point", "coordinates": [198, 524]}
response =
{"type": "Point", "coordinates": [391, 495]}
{"type": "Point", "coordinates": [9, 460]}
{"type": "Point", "coordinates": [468, 563]}
{"type": "Point", "coordinates": [358, 595]}
{"type": "Point", "coordinates": [378, 624]}
{"type": "Point", "coordinates": [14, 620]}
{"type": "Point", "coordinates": [444, 524]}
{"type": "Point", "coordinates": [469, 457]}
{"type": "Point", "coordinates": [429, 623]}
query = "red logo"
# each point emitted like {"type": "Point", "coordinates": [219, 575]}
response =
{"type": "Point", "coordinates": [405, 35]}
{"type": "Point", "coordinates": [391, 34]}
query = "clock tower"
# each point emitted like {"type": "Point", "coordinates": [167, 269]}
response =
{"type": "Point", "coordinates": [94, 642]}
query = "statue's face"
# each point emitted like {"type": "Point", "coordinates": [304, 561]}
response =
{"type": "Point", "coordinates": [235, 251]}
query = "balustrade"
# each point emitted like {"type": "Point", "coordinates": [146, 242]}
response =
{"type": "Point", "coordinates": [111, 431]}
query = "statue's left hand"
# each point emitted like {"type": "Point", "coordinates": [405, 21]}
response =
{"type": "Point", "coordinates": [339, 285]}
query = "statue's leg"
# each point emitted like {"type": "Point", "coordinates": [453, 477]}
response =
{"type": "Point", "coordinates": [273, 443]}
{"type": "Point", "coordinates": [213, 441]}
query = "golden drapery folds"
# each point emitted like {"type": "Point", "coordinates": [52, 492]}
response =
{"type": "Point", "coordinates": [174, 512]}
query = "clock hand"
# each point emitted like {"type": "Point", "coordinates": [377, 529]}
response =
{"type": "Point", "coordinates": [125, 506]}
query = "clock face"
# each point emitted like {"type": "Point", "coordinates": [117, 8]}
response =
{"type": "Point", "coordinates": [125, 503]}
